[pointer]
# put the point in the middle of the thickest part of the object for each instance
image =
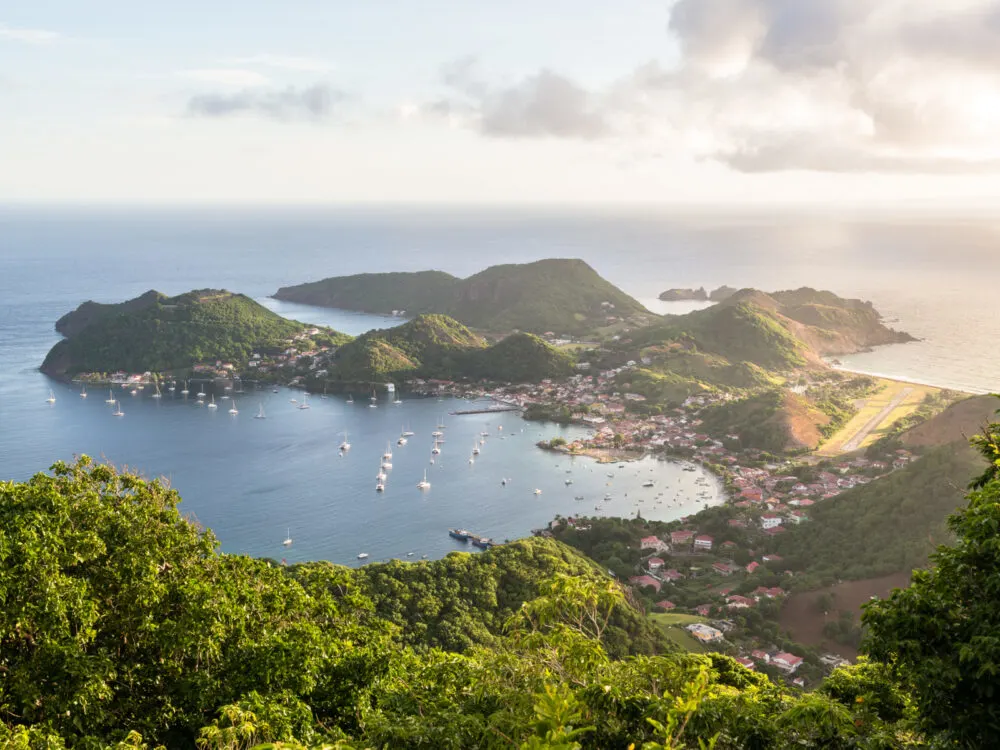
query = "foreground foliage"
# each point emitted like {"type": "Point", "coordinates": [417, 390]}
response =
{"type": "Point", "coordinates": [122, 626]}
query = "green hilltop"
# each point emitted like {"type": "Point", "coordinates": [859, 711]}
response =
{"type": "Point", "coordinates": [159, 333]}
{"type": "Point", "coordinates": [437, 346]}
{"type": "Point", "coordinates": [564, 296]}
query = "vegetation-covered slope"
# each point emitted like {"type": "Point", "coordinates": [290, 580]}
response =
{"type": "Point", "coordinates": [135, 630]}
{"type": "Point", "coordinates": [890, 525]}
{"type": "Point", "coordinates": [774, 420]}
{"type": "Point", "coordinates": [436, 346]}
{"type": "Point", "coordinates": [158, 333]}
{"type": "Point", "coordinates": [559, 295]}
{"type": "Point", "coordinates": [414, 293]}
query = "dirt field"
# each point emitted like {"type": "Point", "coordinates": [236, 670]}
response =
{"type": "Point", "coordinates": [876, 416]}
{"type": "Point", "coordinates": [802, 619]}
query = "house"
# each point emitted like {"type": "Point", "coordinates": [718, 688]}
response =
{"type": "Point", "coordinates": [761, 655]}
{"type": "Point", "coordinates": [653, 543]}
{"type": "Point", "coordinates": [786, 662]}
{"type": "Point", "coordinates": [671, 575]}
{"type": "Point", "coordinates": [770, 522]}
{"type": "Point", "coordinates": [739, 602]}
{"type": "Point", "coordinates": [725, 569]}
{"type": "Point", "coordinates": [798, 516]}
{"type": "Point", "coordinates": [771, 593]}
{"type": "Point", "coordinates": [703, 542]}
{"type": "Point", "coordinates": [680, 538]}
{"type": "Point", "coordinates": [753, 566]}
{"type": "Point", "coordinates": [703, 609]}
{"type": "Point", "coordinates": [772, 558]}
{"type": "Point", "coordinates": [728, 544]}
{"type": "Point", "coordinates": [645, 581]}
{"type": "Point", "coordinates": [654, 563]}
{"type": "Point", "coordinates": [748, 663]}
{"type": "Point", "coordinates": [704, 633]}
{"type": "Point", "coordinates": [774, 531]}
{"type": "Point", "coordinates": [664, 604]}
{"type": "Point", "coordinates": [799, 682]}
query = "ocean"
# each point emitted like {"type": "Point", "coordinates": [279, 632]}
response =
{"type": "Point", "coordinates": [250, 481]}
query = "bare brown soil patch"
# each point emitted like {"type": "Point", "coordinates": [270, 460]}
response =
{"type": "Point", "coordinates": [803, 421]}
{"type": "Point", "coordinates": [801, 616]}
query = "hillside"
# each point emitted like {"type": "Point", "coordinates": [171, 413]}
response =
{"type": "Point", "coordinates": [414, 293]}
{"type": "Point", "coordinates": [560, 295]}
{"type": "Point", "coordinates": [137, 632]}
{"type": "Point", "coordinates": [959, 421]}
{"type": "Point", "coordinates": [888, 526]}
{"type": "Point", "coordinates": [774, 420]}
{"type": "Point", "coordinates": [158, 333]}
{"type": "Point", "coordinates": [436, 346]}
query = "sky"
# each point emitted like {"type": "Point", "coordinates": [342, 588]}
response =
{"type": "Point", "coordinates": [684, 102]}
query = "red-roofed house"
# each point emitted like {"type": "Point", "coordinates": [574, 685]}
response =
{"type": "Point", "coordinates": [645, 581]}
{"type": "Point", "coordinates": [739, 602]}
{"type": "Point", "coordinates": [753, 566]}
{"type": "Point", "coordinates": [679, 538]}
{"type": "Point", "coordinates": [748, 663]}
{"type": "Point", "coordinates": [772, 558]}
{"type": "Point", "coordinates": [664, 604]}
{"type": "Point", "coordinates": [671, 575]}
{"type": "Point", "coordinates": [654, 563]}
{"type": "Point", "coordinates": [654, 543]}
{"type": "Point", "coordinates": [724, 568]}
{"type": "Point", "coordinates": [737, 523]}
{"type": "Point", "coordinates": [703, 609]}
{"type": "Point", "coordinates": [761, 655]}
{"type": "Point", "coordinates": [786, 662]}
{"type": "Point", "coordinates": [703, 542]}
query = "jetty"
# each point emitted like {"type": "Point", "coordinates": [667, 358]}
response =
{"type": "Point", "coordinates": [489, 410]}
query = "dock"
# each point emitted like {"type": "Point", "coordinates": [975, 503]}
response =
{"type": "Point", "coordinates": [494, 410]}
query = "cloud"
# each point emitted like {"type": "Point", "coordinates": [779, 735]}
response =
{"type": "Point", "coordinates": [286, 62]}
{"type": "Point", "coordinates": [227, 77]}
{"type": "Point", "coordinates": [315, 102]}
{"type": "Point", "coordinates": [835, 85]}
{"type": "Point", "coordinates": [545, 104]}
{"type": "Point", "coordinates": [28, 36]}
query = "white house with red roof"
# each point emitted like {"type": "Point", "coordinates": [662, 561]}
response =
{"type": "Point", "coordinates": [760, 655]}
{"type": "Point", "coordinates": [654, 543]}
{"type": "Point", "coordinates": [739, 602]}
{"type": "Point", "coordinates": [703, 542]}
{"type": "Point", "coordinates": [680, 538]}
{"type": "Point", "coordinates": [770, 522]}
{"type": "Point", "coordinates": [654, 563]}
{"type": "Point", "coordinates": [666, 604]}
{"type": "Point", "coordinates": [786, 662]}
{"type": "Point", "coordinates": [645, 581]}
{"type": "Point", "coordinates": [753, 566]}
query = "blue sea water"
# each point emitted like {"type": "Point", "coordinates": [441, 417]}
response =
{"type": "Point", "coordinates": [250, 480]}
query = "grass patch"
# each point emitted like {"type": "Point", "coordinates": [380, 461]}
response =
{"type": "Point", "coordinates": [672, 626]}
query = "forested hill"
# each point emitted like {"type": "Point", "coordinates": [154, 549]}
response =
{"type": "Point", "coordinates": [559, 295]}
{"type": "Point", "coordinates": [436, 346]}
{"type": "Point", "coordinates": [159, 333]}
{"type": "Point", "coordinates": [133, 631]}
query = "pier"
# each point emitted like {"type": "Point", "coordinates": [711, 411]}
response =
{"type": "Point", "coordinates": [493, 410]}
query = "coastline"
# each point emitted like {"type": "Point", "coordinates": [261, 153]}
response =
{"type": "Point", "coordinates": [905, 379]}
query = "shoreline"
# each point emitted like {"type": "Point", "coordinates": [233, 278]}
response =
{"type": "Point", "coordinates": [907, 380]}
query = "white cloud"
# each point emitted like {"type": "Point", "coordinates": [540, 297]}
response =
{"type": "Point", "coordinates": [286, 62]}
{"type": "Point", "coordinates": [28, 36]}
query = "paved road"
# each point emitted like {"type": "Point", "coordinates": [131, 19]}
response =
{"type": "Point", "coordinates": [855, 442]}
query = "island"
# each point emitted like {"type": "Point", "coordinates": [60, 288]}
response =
{"type": "Point", "coordinates": [698, 295]}
{"type": "Point", "coordinates": [558, 296]}
{"type": "Point", "coordinates": [204, 331]}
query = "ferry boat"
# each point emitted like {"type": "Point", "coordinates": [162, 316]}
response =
{"type": "Point", "coordinates": [460, 534]}
{"type": "Point", "coordinates": [648, 483]}
{"type": "Point", "coordinates": [483, 542]}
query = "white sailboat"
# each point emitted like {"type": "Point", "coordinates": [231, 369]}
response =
{"type": "Point", "coordinates": [350, 398]}
{"type": "Point", "coordinates": [380, 477]}
{"type": "Point", "coordinates": [424, 485]}
{"type": "Point", "coordinates": [380, 486]}
{"type": "Point", "coordinates": [305, 402]}
{"type": "Point", "coordinates": [200, 393]}
{"type": "Point", "coordinates": [212, 404]}
{"type": "Point", "coordinates": [288, 538]}
{"type": "Point", "coordinates": [83, 392]}
{"type": "Point", "coordinates": [345, 446]}
{"type": "Point", "coordinates": [171, 388]}
{"type": "Point", "coordinates": [233, 410]}
{"type": "Point", "coordinates": [157, 394]}
{"type": "Point", "coordinates": [111, 397]}
{"type": "Point", "coordinates": [52, 398]}
{"type": "Point", "coordinates": [118, 410]}
{"type": "Point", "coordinates": [401, 441]}
{"type": "Point", "coordinates": [407, 433]}
{"type": "Point", "coordinates": [260, 412]}
{"type": "Point", "coordinates": [388, 453]}
{"type": "Point", "coordinates": [184, 390]}
{"type": "Point", "coordinates": [436, 449]}
{"type": "Point", "coordinates": [475, 449]}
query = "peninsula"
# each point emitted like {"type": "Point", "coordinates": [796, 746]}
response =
{"type": "Point", "coordinates": [562, 296]}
